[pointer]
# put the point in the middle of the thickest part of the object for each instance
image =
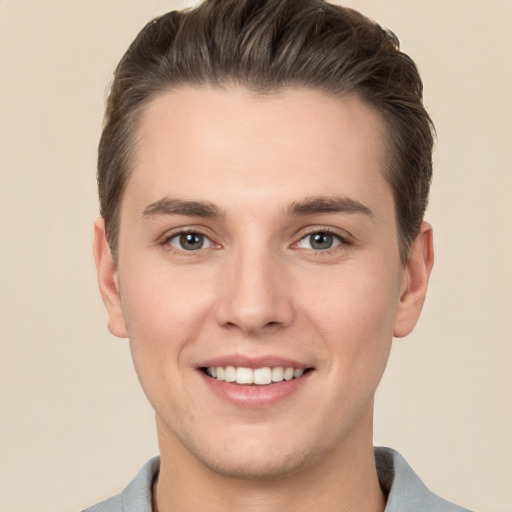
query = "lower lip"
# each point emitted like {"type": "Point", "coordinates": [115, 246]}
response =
{"type": "Point", "coordinates": [255, 396]}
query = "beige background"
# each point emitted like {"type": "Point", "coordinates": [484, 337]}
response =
{"type": "Point", "coordinates": [74, 424]}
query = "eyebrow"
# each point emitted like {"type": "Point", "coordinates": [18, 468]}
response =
{"type": "Point", "coordinates": [168, 206]}
{"type": "Point", "coordinates": [327, 204]}
{"type": "Point", "coordinates": [310, 206]}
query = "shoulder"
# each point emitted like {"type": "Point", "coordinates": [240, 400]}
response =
{"type": "Point", "coordinates": [136, 496]}
{"type": "Point", "coordinates": [405, 489]}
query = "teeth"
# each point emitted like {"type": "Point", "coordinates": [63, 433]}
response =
{"type": "Point", "coordinates": [230, 374]}
{"type": "Point", "coordinates": [244, 375]}
{"type": "Point", "coordinates": [277, 374]}
{"type": "Point", "coordinates": [262, 376]}
{"type": "Point", "coordinates": [288, 374]}
{"type": "Point", "coordinates": [258, 376]}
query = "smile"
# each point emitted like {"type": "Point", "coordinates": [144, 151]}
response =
{"type": "Point", "coordinates": [259, 376]}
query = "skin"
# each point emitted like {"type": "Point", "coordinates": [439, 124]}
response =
{"type": "Point", "coordinates": [258, 287]}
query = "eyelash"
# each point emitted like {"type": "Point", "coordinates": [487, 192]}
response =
{"type": "Point", "coordinates": [166, 242]}
{"type": "Point", "coordinates": [343, 240]}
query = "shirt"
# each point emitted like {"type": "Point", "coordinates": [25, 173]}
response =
{"type": "Point", "coordinates": [405, 491]}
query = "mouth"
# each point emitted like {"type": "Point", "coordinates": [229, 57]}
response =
{"type": "Point", "coordinates": [255, 382]}
{"type": "Point", "coordinates": [263, 376]}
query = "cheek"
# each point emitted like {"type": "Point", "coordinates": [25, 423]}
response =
{"type": "Point", "coordinates": [163, 315]}
{"type": "Point", "coordinates": [164, 311]}
{"type": "Point", "coordinates": [355, 315]}
{"type": "Point", "coordinates": [162, 300]}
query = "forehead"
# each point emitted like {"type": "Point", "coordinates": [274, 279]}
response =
{"type": "Point", "coordinates": [220, 142]}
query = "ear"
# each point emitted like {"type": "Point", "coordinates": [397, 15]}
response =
{"type": "Point", "coordinates": [415, 281]}
{"type": "Point", "coordinates": [106, 269]}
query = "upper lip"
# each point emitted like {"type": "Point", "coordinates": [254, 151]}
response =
{"type": "Point", "coordinates": [245, 361]}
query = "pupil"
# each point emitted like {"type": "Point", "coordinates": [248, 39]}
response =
{"type": "Point", "coordinates": [191, 241]}
{"type": "Point", "coordinates": [321, 241]}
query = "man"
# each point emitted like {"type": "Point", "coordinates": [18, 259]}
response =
{"type": "Point", "coordinates": [263, 174]}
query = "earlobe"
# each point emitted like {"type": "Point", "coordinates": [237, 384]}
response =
{"type": "Point", "coordinates": [106, 269]}
{"type": "Point", "coordinates": [415, 281]}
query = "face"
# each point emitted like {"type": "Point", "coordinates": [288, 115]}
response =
{"type": "Point", "coordinates": [259, 278]}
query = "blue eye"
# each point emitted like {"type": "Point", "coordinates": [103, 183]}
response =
{"type": "Point", "coordinates": [319, 241]}
{"type": "Point", "coordinates": [190, 241]}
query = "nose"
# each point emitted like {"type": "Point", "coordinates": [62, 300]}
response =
{"type": "Point", "coordinates": [254, 294]}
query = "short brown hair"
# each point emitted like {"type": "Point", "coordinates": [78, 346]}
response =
{"type": "Point", "coordinates": [266, 45]}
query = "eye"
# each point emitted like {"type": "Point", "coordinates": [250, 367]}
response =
{"type": "Point", "coordinates": [319, 241]}
{"type": "Point", "coordinates": [190, 241]}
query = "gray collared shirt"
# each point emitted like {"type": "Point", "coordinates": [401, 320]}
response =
{"type": "Point", "coordinates": [406, 492]}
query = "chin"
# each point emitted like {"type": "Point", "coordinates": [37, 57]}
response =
{"type": "Point", "coordinates": [256, 466]}
{"type": "Point", "coordinates": [245, 453]}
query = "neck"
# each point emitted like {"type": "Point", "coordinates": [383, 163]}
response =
{"type": "Point", "coordinates": [342, 480]}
